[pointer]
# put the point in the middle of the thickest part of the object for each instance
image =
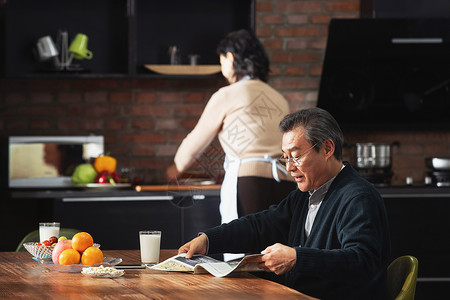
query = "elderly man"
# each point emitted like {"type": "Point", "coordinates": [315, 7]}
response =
{"type": "Point", "coordinates": [330, 238]}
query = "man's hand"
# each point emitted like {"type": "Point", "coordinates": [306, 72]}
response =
{"type": "Point", "coordinates": [278, 258]}
{"type": "Point", "coordinates": [199, 245]}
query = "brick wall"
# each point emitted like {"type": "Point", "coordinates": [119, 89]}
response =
{"type": "Point", "coordinates": [144, 120]}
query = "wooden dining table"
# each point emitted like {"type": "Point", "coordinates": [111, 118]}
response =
{"type": "Point", "coordinates": [21, 277]}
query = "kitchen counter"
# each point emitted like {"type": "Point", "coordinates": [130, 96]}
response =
{"type": "Point", "coordinates": [108, 193]}
{"type": "Point", "coordinates": [169, 192]}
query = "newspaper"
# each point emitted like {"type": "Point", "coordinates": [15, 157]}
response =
{"type": "Point", "coordinates": [200, 264]}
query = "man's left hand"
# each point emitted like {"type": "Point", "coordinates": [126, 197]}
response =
{"type": "Point", "coordinates": [278, 258]}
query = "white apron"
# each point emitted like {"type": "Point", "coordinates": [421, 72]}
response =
{"type": "Point", "coordinates": [228, 191]}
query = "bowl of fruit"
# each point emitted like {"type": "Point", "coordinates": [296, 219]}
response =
{"type": "Point", "coordinates": [42, 250]}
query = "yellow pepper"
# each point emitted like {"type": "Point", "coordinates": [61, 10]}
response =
{"type": "Point", "coordinates": [105, 163]}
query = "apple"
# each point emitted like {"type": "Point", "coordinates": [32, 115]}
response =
{"type": "Point", "coordinates": [60, 247]}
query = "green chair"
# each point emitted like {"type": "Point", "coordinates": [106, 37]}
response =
{"type": "Point", "coordinates": [402, 278]}
{"type": "Point", "coordinates": [34, 236]}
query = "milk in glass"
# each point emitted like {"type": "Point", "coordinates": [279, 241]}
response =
{"type": "Point", "coordinates": [47, 230]}
{"type": "Point", "coordinates": [150, 245]}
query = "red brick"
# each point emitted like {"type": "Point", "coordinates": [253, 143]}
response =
{"type": "Point", "coordinates": [296, 44]}
{"type": "Point", "coordinates": [263, 6]}
{"type": "Point", "coordinates": [320, 19]}
{"type": "Point", "coordinates": [145, 97]}
{"type": "Point", "coordinates": [37, 97]}
{"type": "Point", "coordinates": [167, 124]}
{"type": "Point", "coordinates": [91, 124]}
{"type": "Point", "coordinates": [145, 84]}
{"type": "Point", "coordinates": [65, 124]}
{"type": "Point", "coordinates": [171, 97]}
{"type": "Point", "coordinates": [41, 111]}
{"type": "Point", "coordinates": [188, 110]}
{"type": "Point", "coordinates": [295, 71]}
{"type": "Point", "coordinates": [141, 110]}
{"type": "Point", "coordinates": [315, 70]}
{"type": "Point", "coordinates": [273, 19]}
{"type": "Point", "coordinates": [40, 124]}
{"type": "Point", "coordinates": [92, 111]}
{"type": "Point", "coordinates": [89, 84]}
{"type": "Point", "coordinates": [143, 150]}
{"type": "Point", "coordinates": [120, 97]}
{"type": "Point", "coordinates": [297, 31]}
{"type": "Point", "coordinates": [142, 124]}
{"type": "Point", "coordinates": [302, 57]}
{"type": "Point", "coordinates": [297, 19]}
{"type": "Point", "coordinates": [342, 6]}
{"type": "Point", "coordinates": [67, 97]}
{"type": "Point", "coordinates": [15, 98]}
{"type": "Point", "coordinates": [295, 97]}
{"type": "Point", "coordinates": [262, 32]}
{"type": "Point", "coordinates": [319, 44]}
{"type": "Point", "coordinates": [166, 150]}
{"type": "Point", "coordinates": [274, 71]}
{"type": "Point", "coordinates": [299, 6]}
{"type": "Point", "coordinates": [196, 97]}
{"type": "Point", "coordinates": [144, 138]}
{"type": "Point", "coordinates": [18, 124]}
{"type": "Point", "coordinates": [96, 97]}
{"type": "Point", "coordinates": [273, 44]}
{"type": "Point", "coordinates": [115, 124]}
{"type": "Point", "coordinates": [295, 83]}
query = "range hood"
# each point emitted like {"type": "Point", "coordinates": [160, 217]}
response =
{"type": "Point", "coordinates": [387, 74]}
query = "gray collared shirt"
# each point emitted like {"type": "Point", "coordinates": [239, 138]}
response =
{"type": "Point", "coordinates": [315, 200]}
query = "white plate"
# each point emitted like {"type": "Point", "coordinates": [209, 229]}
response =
{"type": "Point", "coordinates": [105, 185]}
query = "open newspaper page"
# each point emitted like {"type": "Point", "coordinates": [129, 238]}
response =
{"type": "Point", "coordinates": [204, 264]}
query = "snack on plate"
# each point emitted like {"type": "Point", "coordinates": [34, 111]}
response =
{"type": "Point", "coordinates": [102, 271]}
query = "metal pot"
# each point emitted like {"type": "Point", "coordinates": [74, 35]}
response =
{"type": "Point", "coordinates": [438, 163]}
{"type": "Point", "coordinates": [373, 155]}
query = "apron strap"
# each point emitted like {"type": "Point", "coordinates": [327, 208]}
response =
{"type": "Point", "coordinates": [267, 158]}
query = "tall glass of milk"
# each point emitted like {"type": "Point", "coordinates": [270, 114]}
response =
{"type": "Point", "coordinates": [47, 230]}
{"type": "Point", "coordinates": [150, 241]}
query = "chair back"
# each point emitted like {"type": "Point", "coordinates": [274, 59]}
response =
{"type": "Point", "coordinates": [402, 278]}
{"type": "Point", "coordinates": [34, 236]}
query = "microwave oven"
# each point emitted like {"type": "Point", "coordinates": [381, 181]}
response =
{"type": "Point", "coordinates": [49, 161]}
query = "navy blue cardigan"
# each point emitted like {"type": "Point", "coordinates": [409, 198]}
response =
{"type": "Point", "coordinates": [347, 252]}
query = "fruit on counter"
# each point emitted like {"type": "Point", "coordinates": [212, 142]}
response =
{"type": "Point", "coordinates": [81, 241]}
{"type": "Point", "coordinates": [53, 240]}
{"type": "Point", "coordinates": [105, 163]}
{"type": "Point", "coordinates": [59, 248]}
{"type": "Point", "coordinates": [61, 238]}
{"type": "Point", "coordinates": [92, 255]}
{"type": "Point", "coordinates": [84, 174]}
{"type": "Point", "coordinates": [69, 257]}
{"type": "Point", "coordinates": [109, 178]}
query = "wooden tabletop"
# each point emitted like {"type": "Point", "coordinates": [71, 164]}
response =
{"type": "Point", "coordinates": [23, 278]}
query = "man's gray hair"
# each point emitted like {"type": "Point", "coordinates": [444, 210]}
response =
{"type": "Point", "coordinates": [319, 126]}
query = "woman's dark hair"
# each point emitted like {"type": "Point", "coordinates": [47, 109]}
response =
{"type": "Point", "coordinates": [250, 58]}
{"type": "Point", "coordinates": [319, 125]}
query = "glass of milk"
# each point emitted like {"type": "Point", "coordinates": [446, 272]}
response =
{"type": "Point", "coordinates": [150, 241]}
{"type": "Point", "coordinates": [47, 230]}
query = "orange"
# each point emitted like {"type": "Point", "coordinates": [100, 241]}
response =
{"type": "Point", "coordinates": [69, 257]}
{"type": "Point", "coordinates": [92, 255]}
{"type": "Point", "coordinates": [81, 241]}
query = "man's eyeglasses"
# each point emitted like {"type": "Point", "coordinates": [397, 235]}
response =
{"type": "Point", "coordinates": [284, 161]}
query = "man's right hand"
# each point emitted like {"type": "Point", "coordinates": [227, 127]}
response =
{"type": "Point", "coordinates": [199, 245]}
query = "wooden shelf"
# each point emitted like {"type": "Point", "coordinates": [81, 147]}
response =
{"type": "Point", "coordinates": [184, 69]}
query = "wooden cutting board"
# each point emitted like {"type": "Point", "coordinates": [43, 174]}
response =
{"type": "Point", "coordinates": [184, 69]}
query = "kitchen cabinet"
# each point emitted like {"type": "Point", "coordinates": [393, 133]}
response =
{"type": "Point", "coordinates": [124, 35]}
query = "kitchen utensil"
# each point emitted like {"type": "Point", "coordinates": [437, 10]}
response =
{"type": "Point", "coordinates": [174, 54]}
{"type": "Point", "coordinates": [46, 48]}
{"type": "Point", "coordinates": [193, 59]}
{"type": "Point", "coordinates": [374, 155]}
{"type": "Point", "coordinates": [78, 47]}
{"type": "Point", "coordinates": [438, 163]}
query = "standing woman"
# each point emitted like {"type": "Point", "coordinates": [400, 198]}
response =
{"type": "Point", "coordinates": [245, 116]}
